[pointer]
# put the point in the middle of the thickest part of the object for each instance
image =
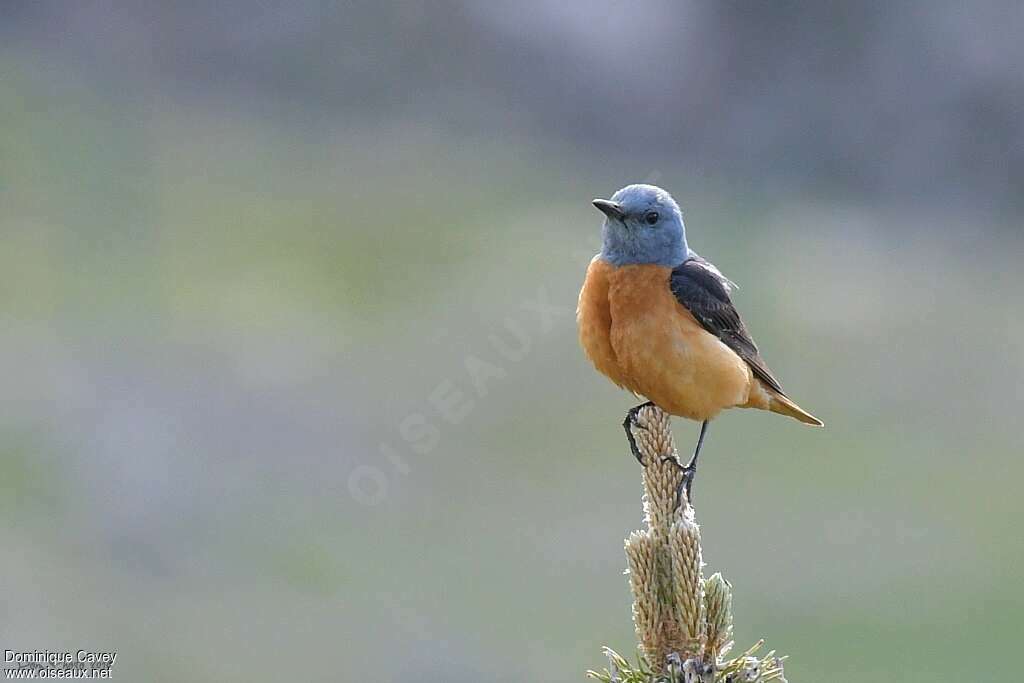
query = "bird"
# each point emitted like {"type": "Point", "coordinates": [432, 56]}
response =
{"type": "Point", "coordinates": [658, 320]}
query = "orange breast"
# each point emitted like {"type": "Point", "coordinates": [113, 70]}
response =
{"type": "Point", "coordinates": [635, 332]}
{"type": "Point", "coordinates": [594, 318]}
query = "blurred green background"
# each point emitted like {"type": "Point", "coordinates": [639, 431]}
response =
{"type": "Point", "coordinates": [256, 254]}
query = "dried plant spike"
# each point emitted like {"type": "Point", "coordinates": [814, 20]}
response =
{"type": "Point", "coordinates": [687, 584]}
{"type": "Point", "coordinates": [683, 621]}
{"type": "Point", "coordinates": [652, 435]}
{"type": "Point", "coordinates": [642, 560]}
{"type": "Point", "coordinates": [718, 607]}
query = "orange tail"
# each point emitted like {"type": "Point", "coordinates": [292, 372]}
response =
{"type": "Point", "coordinates": [783, 406]}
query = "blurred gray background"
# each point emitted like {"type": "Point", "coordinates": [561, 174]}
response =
{"type": "Point", "coordinates": [291, 386]}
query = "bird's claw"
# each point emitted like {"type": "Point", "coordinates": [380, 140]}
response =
{"type": "Point", "coordinates": [686, 484]}
{"type": "Point", "coordinates": [627, 424]}
{"type": "Point", "coordinates": [689, 472]}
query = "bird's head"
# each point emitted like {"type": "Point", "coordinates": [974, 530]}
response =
{"type": "Point", "coordinates": [642, 224]}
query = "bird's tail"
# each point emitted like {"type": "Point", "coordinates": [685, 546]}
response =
{"type": "Point", "coordinates": [783, 406]}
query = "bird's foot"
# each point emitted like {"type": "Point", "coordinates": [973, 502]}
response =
{"type": "Point", "coordinates": [686, 484]}
{"type": "Point", "coordinates": [628, 424]}
{"type": "Point", "coordinates": [689, 473]}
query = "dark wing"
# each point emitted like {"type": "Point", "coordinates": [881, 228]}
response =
{"type": "Point", "coordinates": [704, 292]}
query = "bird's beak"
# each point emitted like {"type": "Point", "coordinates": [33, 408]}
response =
{"type": "Point", "coordinates": [610, 209]}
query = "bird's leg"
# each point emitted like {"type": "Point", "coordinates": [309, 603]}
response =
{"type": "Point", "coordinates": [629, 421]}
{"type": "Point", "coordinates": [690, 469]}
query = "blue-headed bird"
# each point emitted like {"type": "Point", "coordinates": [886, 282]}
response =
{"type": "Point", "coordinates": [657, 319]}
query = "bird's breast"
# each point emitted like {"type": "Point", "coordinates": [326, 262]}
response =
{"type": "Point", "coordinates": [639, 335]}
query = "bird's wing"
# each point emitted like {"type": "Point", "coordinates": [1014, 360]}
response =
{"type": "Point", "coordinates": [704, 291]}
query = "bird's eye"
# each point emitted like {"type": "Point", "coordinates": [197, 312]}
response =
{"type": "Point", "coordinates": [651, 217]}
